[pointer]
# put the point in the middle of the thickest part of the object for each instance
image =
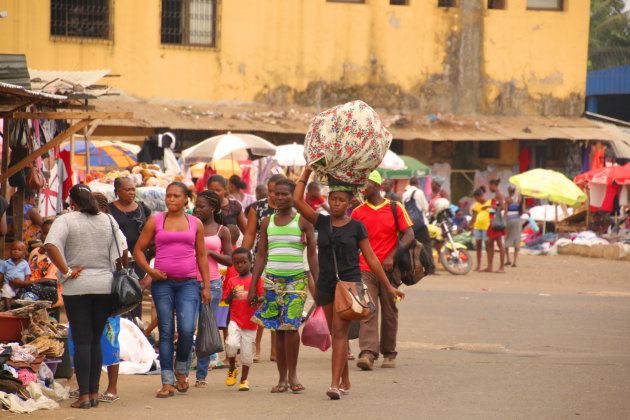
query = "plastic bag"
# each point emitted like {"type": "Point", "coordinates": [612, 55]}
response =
{"type": "Point", "coordinates": [208, 338]}
{"type": "Point", "coordinates": [315, 332]}
{"type": "Point", "coordinates": [533, 225]}
{"type": "Point", "coordinates": [345, 143]}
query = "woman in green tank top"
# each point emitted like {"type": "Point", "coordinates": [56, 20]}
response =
{"type": "Point", "coordinates": [280, 255]}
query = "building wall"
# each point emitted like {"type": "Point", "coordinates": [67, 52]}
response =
{"type": "Point", "coordinates": [312, 52]}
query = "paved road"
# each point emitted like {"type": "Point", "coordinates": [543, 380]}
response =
{"type": "Point", "coordinates": [547, 340]}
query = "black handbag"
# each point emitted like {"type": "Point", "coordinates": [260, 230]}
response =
{"type": "Point", "coordinates": [126, 290]}
{"type": "Point", "coordinates": [408, 266]}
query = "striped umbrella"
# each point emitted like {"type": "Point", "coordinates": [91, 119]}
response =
{"type": "Point", "coordinates": [104, 155]}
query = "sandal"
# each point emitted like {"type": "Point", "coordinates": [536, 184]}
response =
{"type": "Point", "coordinates": [182, 385]}
{"type": "Point", "coordinates": [297, 388]}
{"type": "Point", "coordinates": [108, 397]}
{"type": "Point", "coordinates": [165, 392]}
{"type": "Point", "coordinates": [201, 383]}
{"type": "Point", "coordinates": [84, 404]}
{"type": "Point", "coordinates": [279, 389]}
{"type": "Point", "coordinates": [333, 393]}
{"type": "Point", "coordinates": [75, 394]}
{"type": "Point", "coordinates": [344, 391]}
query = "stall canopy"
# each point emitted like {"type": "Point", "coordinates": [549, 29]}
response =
{"type": "Point", "coordinates": [414, 168]}
{"type": "Point", "coordinates": [549, 185]}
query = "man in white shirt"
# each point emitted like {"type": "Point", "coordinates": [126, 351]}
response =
{"type": "Point", "coordinates": [421, 234]}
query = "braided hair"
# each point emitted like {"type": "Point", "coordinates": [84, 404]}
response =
{"type": "Point", "coordinates": [213, 201]}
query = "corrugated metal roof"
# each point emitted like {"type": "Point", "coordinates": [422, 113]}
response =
{"type": "Point", "coordinates": [612, 81]}
{"type": "Point", "coordinates": [13, 70]}
{"type": "Point", "coordinates": [20, 91]}
{"type": "Point", "coordinates": [74, 84]}
{"type": "Point", "coordinates": [197, 115]}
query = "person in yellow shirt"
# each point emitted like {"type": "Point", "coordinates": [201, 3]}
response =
{"type": "Point", "coordinates": [480, 222]}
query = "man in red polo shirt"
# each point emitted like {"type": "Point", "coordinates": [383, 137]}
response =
{"type": "Point", "coordinates": [378, 218]}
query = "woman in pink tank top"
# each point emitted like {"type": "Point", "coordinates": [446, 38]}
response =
{"type": "Point", "coordinates": [218, 244]}
{"type": "Point", "coordinates": [180, 252]}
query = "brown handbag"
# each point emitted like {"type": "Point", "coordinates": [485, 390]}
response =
{"type": "Point", "coordinates": [352, 299]}
{"type": "Point", "coordinates": [35, 179]}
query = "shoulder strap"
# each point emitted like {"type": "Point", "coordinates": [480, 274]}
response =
{"type": "Point", "coordinates": [111, 223]}
{"type": "Point", "coordinates": [393, 206]}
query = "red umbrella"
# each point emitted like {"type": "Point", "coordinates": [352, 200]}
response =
{"type": "Point", "coordinates": [606, 175]}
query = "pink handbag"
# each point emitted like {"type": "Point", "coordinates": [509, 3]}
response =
{"type": "Point", "coordinates": [315, 332]}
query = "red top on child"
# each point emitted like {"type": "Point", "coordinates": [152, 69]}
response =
{"type": "Point", "coordinates": [240, 311]}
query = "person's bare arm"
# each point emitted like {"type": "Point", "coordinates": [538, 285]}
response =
{"type": "Point", "coordinates": [34, 216]}
{"type": "Point", "coordinates": [259, 265]}
{"type": "Point", "coordinates": [18, 283]}
{"type": "Point", "coordinates": [145, 239]}
{"type": "Point", "coordinates": [311, 249]}
{"type": "Point", "coordinates": [249, 236]}
{"type": "Point", "coordinates": [225, 257]}
{"type": "Point", "coordinates": [375, 266]}
{"type": "Point", "coordinates": [56, 258]}
{"type": "Point", "coordinates": [241, 222]}
{"type": "Point", "coordinates": [298, 197]}
{"type": "Point", "coordinates": [202, 263]}
{"type": "Point", "coordinates": [3, 224]}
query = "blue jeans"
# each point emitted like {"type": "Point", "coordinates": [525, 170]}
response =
{"type": "Point", "coordinates": [216, 290]}
{"type": "Point", "coordinates": [183, 298]}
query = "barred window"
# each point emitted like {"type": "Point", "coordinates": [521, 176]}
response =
{"type": "Point", "coordinates": [447, 3]}
{"type": "Point", "coordinates": [80, 18]}
{"type": "Point", "coordinates": [189, 22]}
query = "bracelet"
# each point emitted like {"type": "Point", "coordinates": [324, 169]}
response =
{"type": "Point", "coordinates": [302, 181]}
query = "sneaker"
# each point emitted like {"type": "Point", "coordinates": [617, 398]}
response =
{"type": "Point", "coordinates": [243, 386]}
{"type": "Point", "coordinates": [365, 363]}
{"type": "Point", "coordinates": [231, 377]}
{"type": "Point", "coordinates": [389, 362]}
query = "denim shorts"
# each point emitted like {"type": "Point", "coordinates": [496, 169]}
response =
{"type": "Point", "coordinates": [480, 235]}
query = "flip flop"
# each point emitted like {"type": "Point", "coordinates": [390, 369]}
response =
{"type": "Point", "coordinates": [108, 397]}
{"type": "Point", "coordinates": [297, 388]}
{"type": "Point", "coordinates": [201, 383]}
{"type": "Point", "coordinates": [165, 392]}
{"type": "Point", "coordinates": [333, 393]}
{"type": "Point", "coordinates": [279, 389]}
{"type": "Point", "coordinates": [181, 385]}
{"type": "Point", "coordinates": [344, 391]}
{"type": "Point", "coordinates": [75, 394]}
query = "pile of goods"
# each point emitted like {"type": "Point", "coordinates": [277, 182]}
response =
{"type": "Point", "coordinates": [143, 175]}
{"type": "Point", "coordinates": [40, 329]}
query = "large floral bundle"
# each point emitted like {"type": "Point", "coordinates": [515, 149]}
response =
{"type": "Point", "coordinates": [345, 143]}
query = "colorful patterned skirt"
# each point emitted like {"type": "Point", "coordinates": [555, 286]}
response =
{"type": "Point", "coordinates": [284, 302]}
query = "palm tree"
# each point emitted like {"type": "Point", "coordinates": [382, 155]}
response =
{"type": "Point", "coordinates": [609, 38]}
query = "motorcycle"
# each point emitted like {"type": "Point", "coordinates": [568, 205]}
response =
{"type": "Point", "coordinates": [453, 256]}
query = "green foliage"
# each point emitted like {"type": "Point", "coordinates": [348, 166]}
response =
{"type": "Point", "coordinates": [609, 38]}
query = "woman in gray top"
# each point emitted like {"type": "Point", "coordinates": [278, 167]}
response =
{"type": "Point", "coordinates": [81, 245]}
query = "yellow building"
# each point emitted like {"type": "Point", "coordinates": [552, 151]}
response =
{"type": "Point", "coordinates": [502, 57]}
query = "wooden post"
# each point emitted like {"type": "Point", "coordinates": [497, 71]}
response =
{"type": "Point", "coordinates": [5, 155]}
{"type": "Point", "coordinates": [74, 179]}
{"type": "Point", "coordinates": [588, 208]}
{"type": "Point", "coordinates": [18, 214]}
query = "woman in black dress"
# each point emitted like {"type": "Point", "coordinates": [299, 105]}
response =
{"type": "Point", "coordinates": [231, 208]}
{"type": "Point", "coordinates": [131, 216]}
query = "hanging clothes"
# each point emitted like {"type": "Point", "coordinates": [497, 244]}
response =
{"type": "Point", "coordinates": [524, 160]}
{"type": "Point", "coordinates": [599, 156]}
{"type": "Point", "coordinates": [586, 160]}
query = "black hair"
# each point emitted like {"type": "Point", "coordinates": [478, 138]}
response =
{"type": "Point", "coordinates": [217, 178]}
{"type": "Point", "coordinates": [118, 182]}
{"type": "Point", "coordinates": [311, 186]}
{"type": "Point", "coordinates": [479, 191]}
{"type": "Point", "coordinates": [82, 196]}
{"type": "Point", "coordinates": [289, 183]}
{"type": "Point", "coordinates": [213, 201]}
{"type": "Point", "coordinates": [181, 185]}
{"type": "Point", "coordinates": [48, 222]}
{"type": "Point", "coordinates": [495, 181]}
{"type": "Point", "coordinates": [29, 193]}
{"type": "Point", "coordinates": [238, 182]}
{"type": "Point", "coordinates": [350, 194]}
{"type": "Point", "coordinates": [101, 200]}
{"type": "Point", "coordinates": [275, 178]}
{"type": "Point", "coordinates": [414, 181]}
{"type": "Point", "coordinates": [243, 250]}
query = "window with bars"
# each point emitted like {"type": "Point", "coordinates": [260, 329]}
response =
{"type": "Point", "coordinates": [80, 18]}
{"type": "Point", "coordinates": [189, 22]}
{"type": "Point", "coordinates": [346, 1]}
{"type": "Point", "coordinates": [399, 2]}
{"type": "Point", "coordinates": [496, 4]}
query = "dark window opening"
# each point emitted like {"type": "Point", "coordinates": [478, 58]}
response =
{"type": "Point", "coordinates": [489, 150]}
{"type": "Point", "coordinates": [545, 4]}
{"type": "Point", "coordinates": [80, 18]}
{"type": "Point", "coordinates": [496, 4]}
{"type": "Point", "coordinates": [189, 22]}
{"type": "Point", "coordinates": [399, 2]}
{"type": "Point", "coordinates": [345, 1]}
{"type": "Point", "coordinates": [447, 3]}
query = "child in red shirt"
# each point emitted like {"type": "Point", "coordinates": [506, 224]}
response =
{"type": "Point", "coordinates": [241, 330]}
